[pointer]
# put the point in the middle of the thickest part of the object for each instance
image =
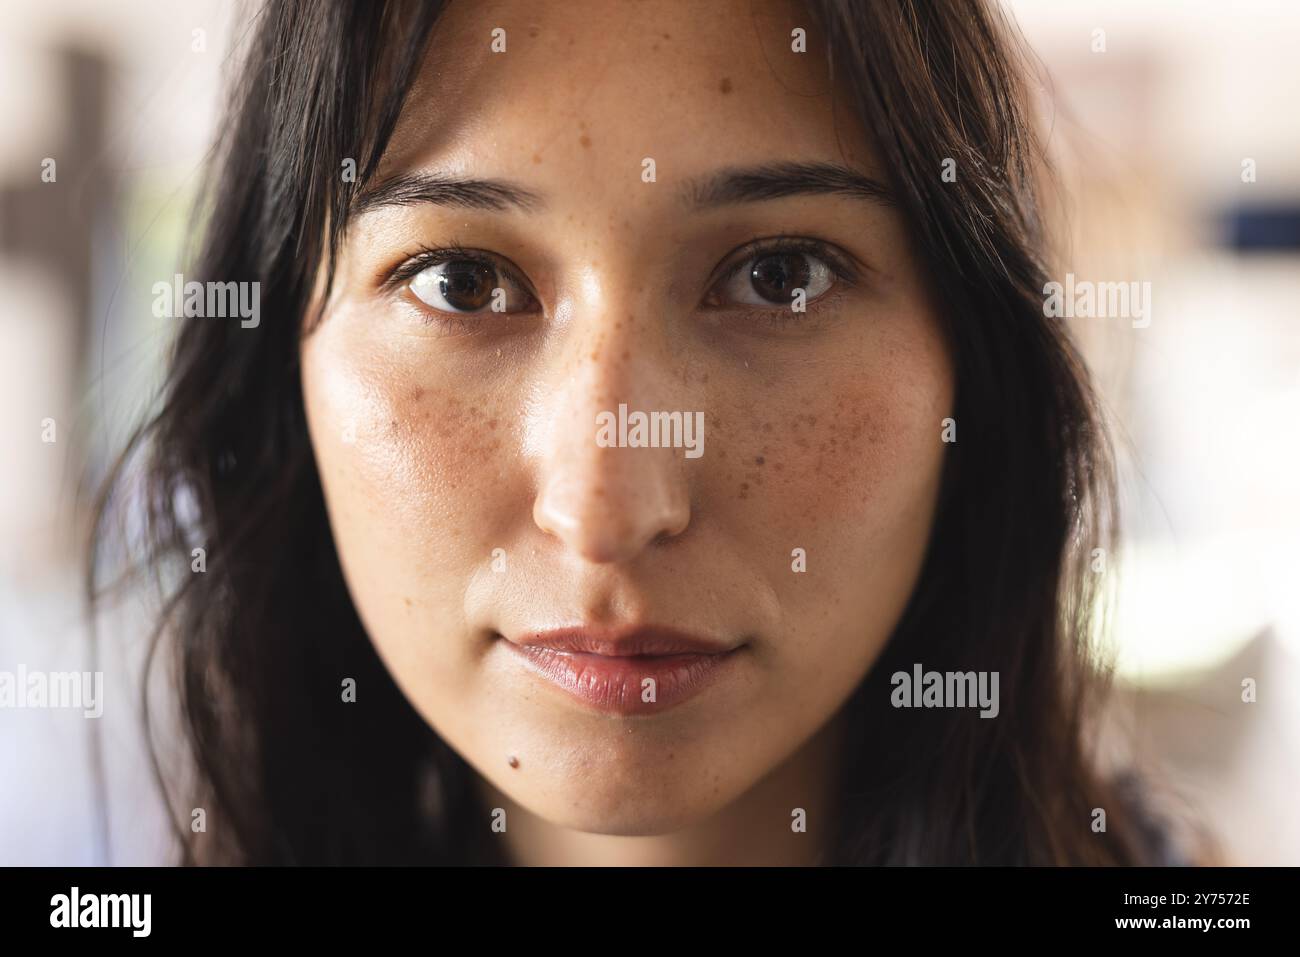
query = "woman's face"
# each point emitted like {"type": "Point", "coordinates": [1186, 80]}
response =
{"type": "Point", "coordinates": [704, 607]}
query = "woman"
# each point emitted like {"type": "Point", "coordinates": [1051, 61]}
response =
{"type": "Point", "coordinates": [652, 449]}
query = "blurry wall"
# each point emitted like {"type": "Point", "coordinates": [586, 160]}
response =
{"type": "Point", "coordinates": [123, 98]}
{"type": "Point", "coordinates": [1173, 131]}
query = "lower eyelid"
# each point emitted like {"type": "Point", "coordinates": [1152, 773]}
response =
{"type": "Point", "coordinates": [781, 316]}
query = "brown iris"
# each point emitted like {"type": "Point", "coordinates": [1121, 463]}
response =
{"type": "Point", "coordinates": [776, 276]}
{"type": "Point", "coordinates": [466, 285]}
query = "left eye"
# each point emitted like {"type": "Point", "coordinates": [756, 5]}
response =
{"type": "Point", "coordinates": [771, 278]}
{"type": "Point", "coordinates": [465, 285]}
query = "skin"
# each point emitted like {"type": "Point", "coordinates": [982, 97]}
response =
{"type": "Point", "coordinates": [439, 443]}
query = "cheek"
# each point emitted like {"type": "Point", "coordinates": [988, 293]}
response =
{"type": "Point", "coordinates": [845, 465]}
{"type": "Point", "coordinates": [413, 474]}
{"type": "Point", "coordinates": [848, 458]}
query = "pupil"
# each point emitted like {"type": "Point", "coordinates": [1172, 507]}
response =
{"type": "Point", "coordinates": [465, 284]}
{"type": "Point", "coordinates": [776, 276]}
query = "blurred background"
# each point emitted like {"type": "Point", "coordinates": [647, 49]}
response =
{"type": "Point", "coordinates": [1174, 137]}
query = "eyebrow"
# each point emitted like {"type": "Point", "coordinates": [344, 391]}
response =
{"type": "Point", "coordinates": [442, 189]}
{"type": "Point", "coordinates": [779, 180]}
{"type": "Point", "coordinates": [726, 187]}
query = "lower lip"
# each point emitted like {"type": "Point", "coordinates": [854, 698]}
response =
{"type": "Point", "coordinates": [618, 685]}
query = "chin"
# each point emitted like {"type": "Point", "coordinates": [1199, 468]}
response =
{"type": "Point", "coordinates": [631, 798]}
{"type": "Point", "coordinates": [628, 814]}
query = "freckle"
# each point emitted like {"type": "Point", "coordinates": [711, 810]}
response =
{"type": "Point", "coordinates": [654, 47]}
{"type": "Point", "coordinates": [767, 426]}
{"type": "Point", "coordinates": [627, 354]}
{"type": "Point", "coordinates": [668, 36]}
{"type": "Point", "coordinates": [537, 158]}
{"type": "Point", "coordinates": [514, 761]}
{"type": "Point", "coordinates": [779, 467]}
{"type": "Point", "coordinates": [532, 31]}
{"type": "Point", "coordinates": [392, 424]}
{"type": "Point", "coordinates": [585, 140]}
{"type": "Point", "coordinates": [725, 85]}
{"type": "Point", "coordinates": [759, 460]}
{"type": "Point", "coordinates": [417, 394]}
{"type": "Point", "coordinates": [492, 423]}
{"type": "Point", "coordinates": [408, 602]}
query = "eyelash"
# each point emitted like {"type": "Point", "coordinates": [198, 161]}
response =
{"type": "Point", "coordinates": [843, 270]}
{"type": "Point", "coordinates": [428, 256]}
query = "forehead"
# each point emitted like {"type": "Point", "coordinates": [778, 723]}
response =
{"type": "Point", "coordinates": [586, 90]}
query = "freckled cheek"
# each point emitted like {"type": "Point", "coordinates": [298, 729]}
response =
{"type": "Point", "coordinates": [427, 464]}
{"type": "Point", "coordinates": [846, 450]}
{"type": "Point", "coordinates": [847, 471]}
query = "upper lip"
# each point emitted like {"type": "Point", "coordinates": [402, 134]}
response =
{"type": "Point", "coordinates": [623, 642]}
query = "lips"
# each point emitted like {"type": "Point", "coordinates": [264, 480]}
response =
{"type": "Point", "coordinates": [637, 671]}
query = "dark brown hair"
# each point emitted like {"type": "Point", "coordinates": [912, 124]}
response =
{"type": "Point", "coordinates": [257, 643]}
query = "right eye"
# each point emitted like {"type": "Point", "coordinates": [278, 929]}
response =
{"type": "Point", "coordinates": [460, 283]}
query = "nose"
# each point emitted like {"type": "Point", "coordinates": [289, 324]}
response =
{"type": "Point", "coordinates": [605, 501]}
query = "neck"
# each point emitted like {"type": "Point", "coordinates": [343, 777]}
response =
{"type": "Point", "coordinates": [758, 828]}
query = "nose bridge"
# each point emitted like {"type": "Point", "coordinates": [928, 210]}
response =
{"type": "Point", "coordinates": [604, 491]}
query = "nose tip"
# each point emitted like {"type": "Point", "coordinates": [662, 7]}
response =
{"type": "Point", "coordinates": [613, 503]}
